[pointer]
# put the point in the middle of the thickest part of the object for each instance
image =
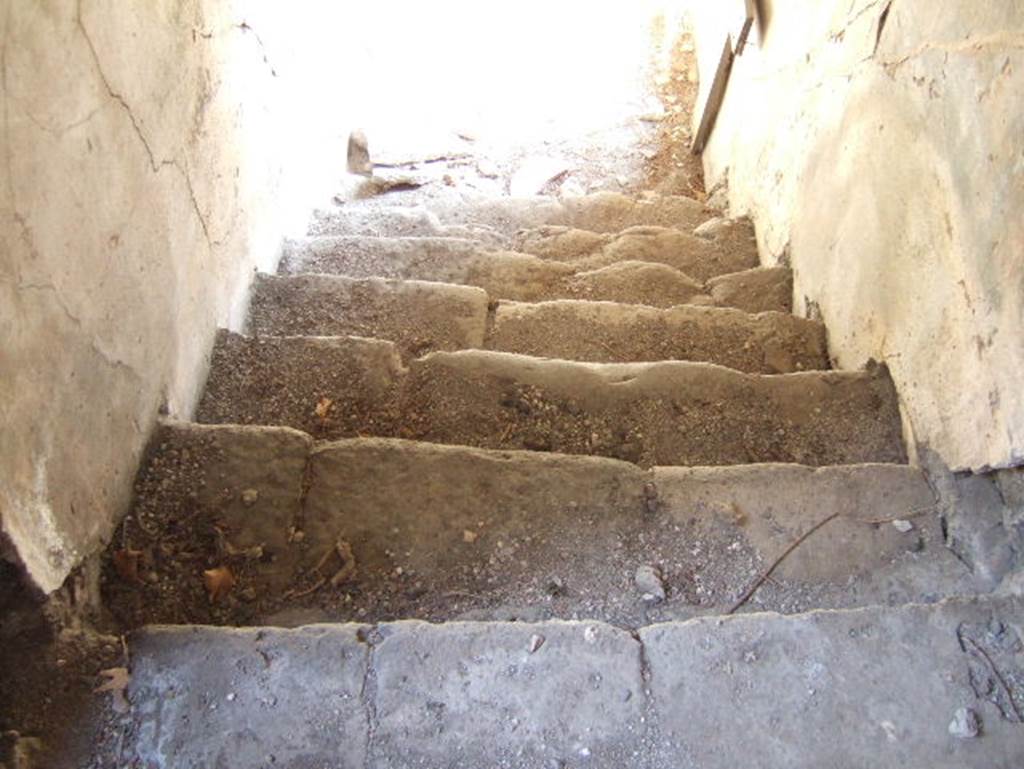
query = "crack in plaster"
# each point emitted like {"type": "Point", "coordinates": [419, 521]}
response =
{"type": "Point", "coordinates": [155, 165]}
{"type": "Point", "coordinates": [968, 47]}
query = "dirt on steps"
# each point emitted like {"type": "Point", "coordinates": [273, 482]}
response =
{"type": "Point", "coordinates": [605, 332]}
{"type": "Point", "coordinates": [598, 212]}
{"type": "Point", "coordinates": [418, 317]}
{"type": "Point", "coordinates": [669, 413]}
{"type": "Point", "coordinates": [326, 386]}
{"type": "Point", "coordinates": [611, 276]}
{"type": "Point", "coordinates": [652, 414]}
{"type": "Point", "coordinates": [803, 691]}
{"type": "Point", "coordinates": [442, 532]}
{"type": "Point", "coordinates": [763, 289]}
{"type": "Point", "coordinates": [699, 258]}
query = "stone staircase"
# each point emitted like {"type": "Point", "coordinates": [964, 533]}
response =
{"type": "Point", "coordinates": [516, 483]}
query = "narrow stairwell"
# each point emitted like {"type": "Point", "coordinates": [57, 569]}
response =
{"type": "Point", "coordinates": [516, 483]}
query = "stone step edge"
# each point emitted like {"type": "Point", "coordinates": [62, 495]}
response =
{"type": "Point", "coordinates": [316, 446]}
{"type": "Point", "coordinates": [708, 284]}
{"type": "Point", "coordinates": [328, 277]}
{"type": "Point", "coordinates": [397, 697]}
{"type": "Point", "coordinates": [616, 369]}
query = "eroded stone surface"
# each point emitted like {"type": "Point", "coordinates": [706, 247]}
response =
{"type": "Point", "coordinates": [418, 316]}
{"type": "Point", "coordinates": [606, 332]}
{"type": "Point", "coordinates": [698, 257]}
{"type": "Point", "coordinates": [763, 289]}
{"type": "Point", "coordinates": [877, 686]}
{"type": "Point", "coordinates": [326, 386]}
{"type": "Point", "coordinates": [463, 695]}
{"type": "Point", "coordinates": [661, 413]}
{"type": "Point", "coordinates": [246, 698]}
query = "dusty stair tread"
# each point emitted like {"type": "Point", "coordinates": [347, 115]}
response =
{"type": "Point", "coordinates": [502, 274]}
{"type": "Point", "coordinates": [352, 382]}
{"type": "Point", "coordinates": [396, 221]}
{"type": "Point", "coordinates": [598, 212]}
{"type": "Point", "coordinates": [423, 258]}
{"type": "Point", "coordinates": [762, 289]}
{"type": "Point", "coordinates": [657, 285]}
{"type": "Point", "coordinates": [666, 413]}
{"type": "Point", "coordinates": [809, 690]}
{"type": "Point", "coordinates": [418, 316]}
{"type": "Point", "coordinates": [880, 684]}
{"type": "Point", "coordinates": [448, 532]}
{"type": "Point", "coordinates": [607, 332]}
{"type": "Point", "coordinates": [698, 257]}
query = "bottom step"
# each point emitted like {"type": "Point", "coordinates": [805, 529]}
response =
{"type": "Point", "coordinates": [450, 532]}
{"type": "Point", "coordinates": [915, 686]}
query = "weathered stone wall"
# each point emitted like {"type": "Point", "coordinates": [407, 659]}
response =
{"type": "Point", "coordinates": [880, 147]}
{"type": "Point", "coordinates": [143, 181]}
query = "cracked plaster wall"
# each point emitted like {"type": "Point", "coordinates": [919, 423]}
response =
{"type": "Point", "coordinates": [144, 178]}
{"type": "Point", "coordinates": [886, 161]}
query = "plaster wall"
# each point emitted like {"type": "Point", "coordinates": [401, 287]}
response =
{"type": "Point", "coordinates": [879, 147]}
{"type": "Point", "coordinates": [154, 152]}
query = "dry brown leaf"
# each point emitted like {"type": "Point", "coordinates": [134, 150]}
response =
{"type": "Point", "coordinates": [218, 582]}
{"type": "Point", "coordinates": [323, 408]}
{"type": "Point", "coordinates": [126, 562]}
{"type": "Point", "coordinates": [119, 679]}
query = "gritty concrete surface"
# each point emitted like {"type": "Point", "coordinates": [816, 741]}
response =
{"type": "Point", "coordinates": [881, 127]}
{"type": "Point", "coordinates": [867, 688]}
{"type": "Point", "coordinates": [874, 687]}
{"type": "Point", "coordinates": [525, 277]}
{"type": "Point", "coordinates": [762, 289]}
{"type": "Point", "coordinates": [247, 698]}
{"type": "Point", "coordinates": [418, 317]}
{"type": "Point", "coordinates": [450, 532]}
{"type": "Point", "coordinates": [508, 695]}
{"type": "Point", "coordinates": [664, 413]}
{"type": "Point", "coordinates": [605, 332]}
{"type": "Point", "coordinates": [323, 385]}
{"type": "Point", "coordinates": [598, 212]}
{"type": "Point", "coordinates": [699, 258]}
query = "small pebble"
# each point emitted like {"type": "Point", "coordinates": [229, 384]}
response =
{"type": "Point", "coordinates": [649, 583]}
{"type": "Point", "coordinates": [903, 527]}
{"type": "Point", "coordinates": [536, 641]}
{"type": "Point", "coordinates": [965, 724]}
{"type": "Point", "coordinates": [249, 497]}
{"type": "Point", "coordinates": [469, 536]}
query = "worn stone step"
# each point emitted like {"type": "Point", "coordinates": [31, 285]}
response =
{"type": "Point", "coordinates": [598, 212]}
{"type": "Point", "coordinates": [333, 386]}
{"type": "Point", "coordinates": [506, 274]}
{"type": "Point", "coordinates": [523, 277]}
{"type": "Point", "coordinates": [418, 316]}
{"type": "Point", "coordinates": [397, 222]}
{"type": "Point", "coordinates": [607, 332]}
{"type": "Point", "coordinates": [882, 685]}
{"type": "Point", "coordinates": [670, 413]}
{"type": "Point", "coordinates": [763, 289]}
{"type": "Point", "coordinates": [699, 258]}
{"type": "Point", "coordinates": [448, 532]}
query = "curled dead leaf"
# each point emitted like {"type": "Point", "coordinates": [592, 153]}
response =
{"type": "Point", "coordinates": [323, 408]}
{"type": "Point", "coordinates": [118, 680]}
{"type": "Point", "coordinates": [218, 582]}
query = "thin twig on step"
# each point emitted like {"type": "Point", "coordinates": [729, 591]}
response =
{"type": "Point", "coordinates": [980, 652]}
{"type": "Point", "coordinates": [749, 592]}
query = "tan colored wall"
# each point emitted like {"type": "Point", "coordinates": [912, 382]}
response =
{"type": "Point", "coordinates": [894, 179]}
{"type": "Point", "coordinates": [144, 179]}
